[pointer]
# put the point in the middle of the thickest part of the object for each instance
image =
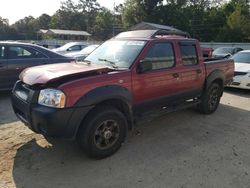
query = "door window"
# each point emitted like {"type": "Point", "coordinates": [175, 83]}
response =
{"type": "Point", "coordinates": [188, 54]}
{"type": "Point", "coordinates": [161, 55]}
{"type": "Point", "coordinates": [2, 52]}
{"type": "Point", "coordinates": [16, 52]}
{"type": "Point", "coordinates": [74, 48]}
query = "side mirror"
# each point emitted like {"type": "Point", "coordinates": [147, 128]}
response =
{"type": "Point", "coordinates": [144, 66]}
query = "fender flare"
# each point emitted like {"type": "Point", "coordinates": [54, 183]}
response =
{"type": "Point", "coordinates": [108, 93]}
{"type": "Point", "coordinates": [104, 93]}
{"type": "Point", "coordinates": [215, 75]}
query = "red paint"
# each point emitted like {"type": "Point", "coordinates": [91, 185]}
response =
{"type": "Point", "coordinates": [143, 87]}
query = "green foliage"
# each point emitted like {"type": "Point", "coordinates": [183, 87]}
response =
{"type": "Point", "coordinates": [206, 20]}
{"type": "Point", "coordinates": [6, 32]}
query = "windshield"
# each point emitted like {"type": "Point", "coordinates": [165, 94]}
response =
{"type": "Point", "coordinates": [64, 47]}
{"type": "Point", "coordinates": [223, 51]}
{"type": "Point", "coordinates": [119, 53]}
{"type": "Point", "coordinates": [242, 57]}
{"type": "Point", "coordinates": [88, 49]}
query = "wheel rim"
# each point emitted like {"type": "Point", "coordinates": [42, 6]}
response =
{"type": "Point", "coordinates": [106, 134]}
{"type": "Point", "coordinates": [214, 98]}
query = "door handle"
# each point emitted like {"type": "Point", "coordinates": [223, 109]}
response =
{"type": "Point", "coordinates": [176, 75]}
{"type": "Point", "coordinates": [198, 71]}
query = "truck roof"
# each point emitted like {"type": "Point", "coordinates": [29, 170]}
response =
{"type": "Point", "coordinates": [152, 34]}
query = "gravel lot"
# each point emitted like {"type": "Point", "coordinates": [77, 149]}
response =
{"type": "Point", "coordinates": [182, 149]}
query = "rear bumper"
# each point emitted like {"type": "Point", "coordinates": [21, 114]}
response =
{"type": "Point", "coordinates": [52, 122]}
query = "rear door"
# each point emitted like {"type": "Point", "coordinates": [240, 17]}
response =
{"type": "Point", "coordinates": [191, 70]}
{"type": "Point", "coordinates": [3, 68]}
{"type": "Point", "coordinates": [21, 57]}
{"type": "Point", "coordinates": [153, 89]}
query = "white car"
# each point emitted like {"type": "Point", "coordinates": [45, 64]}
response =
{"type": "Point", "coordinates": [242, 70]}
{"type": "Point", "coordinates": [81, 55]}
{"type": "Point", "coordinates": [71, 47]}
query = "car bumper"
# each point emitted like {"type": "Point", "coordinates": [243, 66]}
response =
{"type": "Point", "coordinates": [242, 82]}
{"type": "Point", "coordinates": [48, 121]}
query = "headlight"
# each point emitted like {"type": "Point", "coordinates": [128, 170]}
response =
{"type": "Point", "coordinates": [52, 98]}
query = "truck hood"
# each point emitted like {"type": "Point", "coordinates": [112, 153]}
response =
{"type": "Point", "coordinates": [242, 67]}
{"type": "Point", "coordinates": [48, 73]}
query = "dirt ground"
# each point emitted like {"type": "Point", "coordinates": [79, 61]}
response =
{"type": "Point", "coordinates": [182, 149]}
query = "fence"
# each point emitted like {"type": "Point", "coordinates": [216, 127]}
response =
{"type": "Point", "coordinates": [214, 45]}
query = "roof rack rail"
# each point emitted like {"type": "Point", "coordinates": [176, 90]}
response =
{"type": "Point", "coordinates": [163, 32]}
{"type": "Point", "coordinates": [151, 33]}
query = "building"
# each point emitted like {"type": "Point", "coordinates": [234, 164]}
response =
{"type": "Point", "coordinates": [64, 34]}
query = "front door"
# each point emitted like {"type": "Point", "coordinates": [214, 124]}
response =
{"type": "Point", "coordinates": [153, 89]}
{"type": "Point", "coordinates": [21, 57]}
{"type": "Point", "coordinates": [4, 82]}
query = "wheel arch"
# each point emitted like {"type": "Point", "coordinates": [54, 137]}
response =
{"type": "Point", "coordinates": [217, 76]}
{"type": "Point", "coordinates": [113, 95]}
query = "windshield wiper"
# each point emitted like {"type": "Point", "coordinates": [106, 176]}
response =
{"type": "Point", "coordinates": [111, 62]}
{"type": "Point", "coordinates": [84, 61]}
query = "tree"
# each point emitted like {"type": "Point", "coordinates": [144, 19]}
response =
{"type": "Point", "coordinates": [26, 28]}
{"type": "Point", "coordinates": [104, 25]}
{"type": "Point", "coordinates": [43, 21]}
{"type": "Point", "coordinates": [6, 32]}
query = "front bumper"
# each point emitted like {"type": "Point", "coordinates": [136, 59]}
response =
{"type": "Point", "coordinates": [44, 120]}
{"type": "Point", "coordinates": [242, 82]}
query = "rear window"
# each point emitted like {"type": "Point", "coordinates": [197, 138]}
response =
{"type": "Point", "coordinates": [188, 54]}
{"type": "Point", "coordinates": [242, 57]}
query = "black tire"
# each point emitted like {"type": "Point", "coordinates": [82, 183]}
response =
{"type": "Point", "coordinates": [210, 99]}
{"type": "Point", "coordinates": [103, 132]}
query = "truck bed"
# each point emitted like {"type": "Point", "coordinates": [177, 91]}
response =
{"type": "Point", "coordinates": [225, 65]}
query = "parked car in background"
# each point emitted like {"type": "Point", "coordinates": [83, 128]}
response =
{"type": "Point", "coordinates": [81, 55]}
{"type": "Point", "coordinates": [14, 57]}
{"type": "Point", "coordinates": [242, 70]}
{"type": "Point", "coordinates": [71, 47]}
{"type": "Point", "coordinates": [207, 52]}
{"type": "Point", "coordinates": [225, 52]}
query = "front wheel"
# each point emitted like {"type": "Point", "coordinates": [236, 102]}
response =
{"type": "Point", "coordinates": [211, 99]}
{"type": "Point", "coordinates": [103, 132]}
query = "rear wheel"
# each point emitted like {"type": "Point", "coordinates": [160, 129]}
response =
{"type": "Point", "coordinates": [103, 132]}
{"type": "Point", "coordinates": [211, 99]}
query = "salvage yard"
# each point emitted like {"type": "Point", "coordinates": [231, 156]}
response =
{"type": "Point", "coordinates": [181, 149]}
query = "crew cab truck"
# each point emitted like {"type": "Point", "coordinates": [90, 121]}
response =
{"type": "Point", "coordinates": [135, 75]}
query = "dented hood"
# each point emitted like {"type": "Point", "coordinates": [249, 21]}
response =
{"type": "Point", "coordinates": [48, 73]}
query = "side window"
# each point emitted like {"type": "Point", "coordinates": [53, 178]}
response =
{"type": "Point", "coordinates": [188, 54]}
{"type": "Point", "coordinates": [74, 48]}
{"type": "Point", "coordinates": [2, 52]}
{"type": "Point", "coordinates": [16, 52]}
{"type": "Point", "coordinates": [161, 55]}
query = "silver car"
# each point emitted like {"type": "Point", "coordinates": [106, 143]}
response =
{"type": "Point", "coordinates": [71, 47]}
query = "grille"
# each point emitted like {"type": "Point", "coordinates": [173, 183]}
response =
{"type": "Point", "coordinates": [22, 91]}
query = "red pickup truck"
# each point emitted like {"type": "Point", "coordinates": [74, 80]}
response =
{"type": "Point", "coordinates": [135, 75]}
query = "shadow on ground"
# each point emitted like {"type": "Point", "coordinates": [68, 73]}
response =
{"type": "Point", "coordinates": [238, 92]}
{"type": "Point", "coordinates": [182, 149]}
{"type": "Point", "coordinates": [6, 113]}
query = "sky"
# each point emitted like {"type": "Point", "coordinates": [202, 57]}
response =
{"type": "Point", "coordinates": [14, 10]}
